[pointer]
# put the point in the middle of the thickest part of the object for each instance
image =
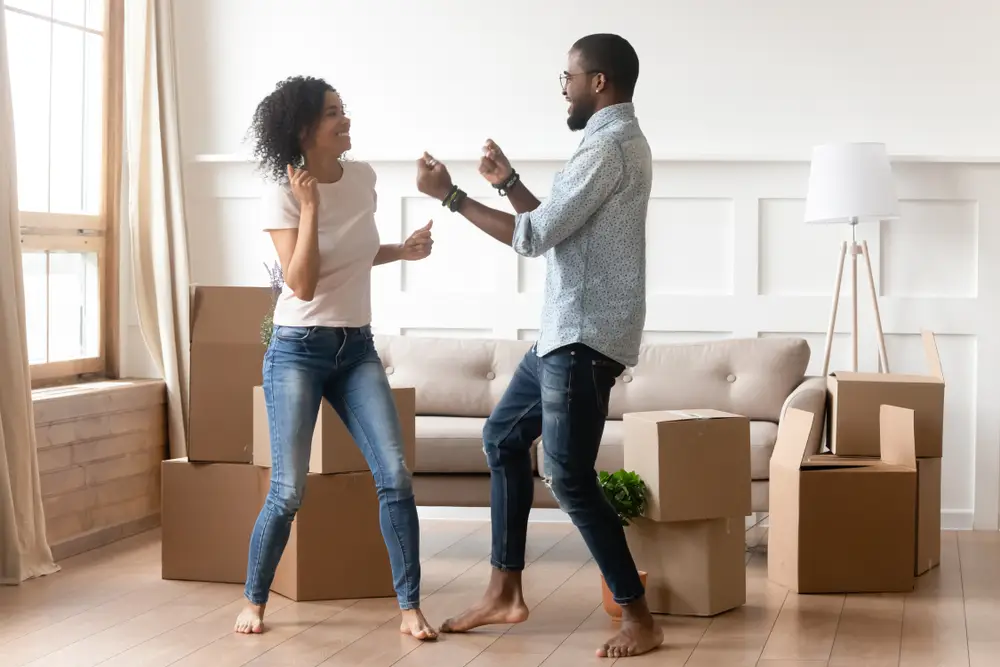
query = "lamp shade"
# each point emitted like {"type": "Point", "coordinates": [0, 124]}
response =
{"type": "Point", "coordinates": [851, 180]}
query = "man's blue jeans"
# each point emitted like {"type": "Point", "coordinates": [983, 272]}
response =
{"type": "Point", "coordinates": [563, 397]}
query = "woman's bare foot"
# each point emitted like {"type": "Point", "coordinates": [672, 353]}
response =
{"type": "Point", "coordinates": [251, 620]}
{"type": "Point", "coordinates": [639, 633]}
{"type": "Point", "coordinates": [416, 625]}
{"type": "Point", "coordinates": [502, 604]}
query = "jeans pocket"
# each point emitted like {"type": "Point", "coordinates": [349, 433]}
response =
{"type": "Point", "coordinates": [292, 334]}
{"type": "Point", "coordinates": [604, 375]}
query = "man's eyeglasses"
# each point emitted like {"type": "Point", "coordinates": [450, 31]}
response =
{"type": "Point", "coordinates": [565, 77]}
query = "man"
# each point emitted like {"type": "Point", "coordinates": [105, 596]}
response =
{"type": "Point", "coordinates": [592, 233]}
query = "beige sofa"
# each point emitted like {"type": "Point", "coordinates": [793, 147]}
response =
{"type": "Point", "coordinates": [458, 381]}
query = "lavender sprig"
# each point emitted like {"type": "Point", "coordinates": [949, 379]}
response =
{"type": "Point", "coordinates": [277, 279]}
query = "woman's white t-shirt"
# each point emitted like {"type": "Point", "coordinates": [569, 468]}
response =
{"type": "Point", "coordinates": [348, 242]}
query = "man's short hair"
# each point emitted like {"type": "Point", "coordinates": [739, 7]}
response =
{"type": "Point", "coordinates": [614, 57]}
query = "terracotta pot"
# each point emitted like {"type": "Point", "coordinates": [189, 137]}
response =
{"type": "Point", "coordinates": [610, 606]}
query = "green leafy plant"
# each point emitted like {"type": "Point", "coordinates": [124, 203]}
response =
{"type": "Point", "coordinates": [267, 328]}
{"type": "Point", "coordinates": [626, 492]}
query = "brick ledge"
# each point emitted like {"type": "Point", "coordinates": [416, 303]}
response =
{"type": "Point", "coordinates": [100, 397]}
{"type": "Point", "coordinates": [85, 388]}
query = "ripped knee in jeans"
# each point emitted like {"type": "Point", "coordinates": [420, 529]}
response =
{"type": "Point", "coordinates": [492, 453]}
{"type": "Point", "coordinates": [550, 484]}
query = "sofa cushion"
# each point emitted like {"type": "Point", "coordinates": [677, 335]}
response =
{"type": "Point", "coordinates": [611, 456]}
{"type": "Point", "coordinates": [455, 377]}
{"type": "Point", "coordinates": [750, 377]}
{"type": "Point", "coordinates": [465, 377]}
{"type": "Point", "coordinates": [452, 445]}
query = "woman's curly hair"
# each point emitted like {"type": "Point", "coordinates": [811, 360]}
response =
{"type": "Point", "coordinates": [295, 104]}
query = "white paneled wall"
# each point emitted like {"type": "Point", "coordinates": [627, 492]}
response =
{"type": "Point", "coordinates": [728, 256]}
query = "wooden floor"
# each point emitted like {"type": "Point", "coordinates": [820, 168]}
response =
{"type": "Point", "coordinates": [110, 607]}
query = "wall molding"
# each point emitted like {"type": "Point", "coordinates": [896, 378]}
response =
{"type": "Point", "coordinates": [804, 156]}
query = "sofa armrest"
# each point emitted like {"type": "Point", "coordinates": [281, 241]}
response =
{"type": "Point", "coordinates": [810, 396]}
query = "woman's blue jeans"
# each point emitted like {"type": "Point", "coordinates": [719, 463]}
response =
{"type": "Point", "coordinates": [302, 366]}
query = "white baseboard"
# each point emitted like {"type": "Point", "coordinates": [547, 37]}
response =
{"type": "Point", "coordinates": [483, 514]}
{"type": "Point", "coordinates": [956, 519]}
{"type": "Point", "coordinates": [950, 519]}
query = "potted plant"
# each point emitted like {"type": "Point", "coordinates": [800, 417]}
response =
{"type": "Point", "coordinates": [626, 492]}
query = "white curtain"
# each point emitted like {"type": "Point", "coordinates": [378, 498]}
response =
{"type": "Point", "coordinates": [156, 202]}
{"type": "Point", "coordinates": [24, 551]}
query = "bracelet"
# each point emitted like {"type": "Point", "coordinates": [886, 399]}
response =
{"type": "Point", "coordinates": [450, 196]}
{"type": "Point", "coordinates": [511, 181]}
{"type": "Point", "coordinates": [456, 202]}
{"type": "Point", "coordinates": [454, 199]}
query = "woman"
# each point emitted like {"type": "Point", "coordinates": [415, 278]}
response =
{"type": "Point", "coordinates": [320, 215]}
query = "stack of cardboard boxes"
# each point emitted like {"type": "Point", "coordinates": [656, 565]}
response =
{"type": "Point", "coordinates": [690, 541]}
{"type": "Point", "coordinates": [866, 518]}
{"type": "Point", "coordinates": [211, 499]}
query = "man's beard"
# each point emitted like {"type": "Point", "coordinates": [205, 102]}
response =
{"type": "Point", "coordinates": [582, 111]}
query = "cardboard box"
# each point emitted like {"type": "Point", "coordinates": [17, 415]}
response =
{"type": "Point", "coordinates": [696, 463]}
{"type": "Point", "coordinates": [843, 525]}
{"type": "Point", "coordinates": [928, 515]}
{"type": "Point", "coordinates": [855, 399]}
{"type": "Point", "coordinates": [335, 550]}
{"type": "Point", "coordinates": [333, 449]}
{"type": "Point", "coordinates": [694, 568]}
{"type": "Point", "coordinates": [207, 514]}
{"type": "Point", "coordinates": [226, 361]}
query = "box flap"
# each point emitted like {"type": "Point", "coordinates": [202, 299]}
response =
{"type": "Point", "coordinates": [898, 440]}
{"type": "Point", "coordinates": [228, 314]}
{"type": "Point", "coordinates": [934, 375]}
{"type": "Point", "coordinates": [911, 378]}
{"type": "Point", "coordinates": [659, 416]}
{"type": "Point", "coordinates": [834, 461]}
{"type": "Point", "coordinates": [932, 356]}
{"type": "Point", "coordinates": [793, 438]}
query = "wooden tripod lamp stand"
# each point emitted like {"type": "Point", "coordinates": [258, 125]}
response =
{"type": "Point", "coordinates": [851, 183]}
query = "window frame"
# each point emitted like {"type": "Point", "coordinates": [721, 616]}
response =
{"type": "Point", "coordinates": [53, 232]}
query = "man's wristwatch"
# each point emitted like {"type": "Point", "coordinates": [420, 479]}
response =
{"type": "Point", "coordinates": [504, 187]}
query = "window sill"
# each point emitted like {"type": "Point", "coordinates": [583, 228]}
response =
{"type": "Point", "coordinates": [75, 401]}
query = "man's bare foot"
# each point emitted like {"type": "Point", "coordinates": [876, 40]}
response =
{"type": "Point", "coordinates": [503, 604]}
{"type": "Point", "coordinates": [639, 633]}
{"type": "Point", "coordinates": [251, 620]}
{"type": "Point", "coordinates": [416, 625]}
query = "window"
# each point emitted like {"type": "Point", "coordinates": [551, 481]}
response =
{"type": "Point", "coordinates": [66, 84]}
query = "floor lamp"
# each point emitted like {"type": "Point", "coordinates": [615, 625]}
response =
{"type": "Point", "coordinates": [851, 183]}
